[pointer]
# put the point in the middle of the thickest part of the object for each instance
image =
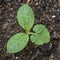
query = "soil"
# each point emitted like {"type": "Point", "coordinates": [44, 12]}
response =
{"type": "Point", "coordinates": [47, 12]}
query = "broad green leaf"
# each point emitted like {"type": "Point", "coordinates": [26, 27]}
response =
{"type": "Point", "coordinates": [42, 35]}
{"type": "Point", "coordinates": [25, 17]}
{"type": "Point", "coordinates": [17, 42]}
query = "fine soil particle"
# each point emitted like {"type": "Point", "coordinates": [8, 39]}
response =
{"type": "Point", "coordinates": [47, 12]}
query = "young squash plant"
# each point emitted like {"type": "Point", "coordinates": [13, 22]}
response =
{"type": "Point", "coordinates": [25, 17]}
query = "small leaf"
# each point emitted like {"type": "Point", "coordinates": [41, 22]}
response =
{"type": "Point", "coordinates": [25, 17]}
{"type": "Point", "coordinates": [42, 35]}
{"type": "Point", "coordinates": [17, 42]}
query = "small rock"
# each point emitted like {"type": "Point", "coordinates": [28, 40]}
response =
{"type": "Point", "coordinates": [19, 0]}
{"type": "Point", "coordinates": [51, 57]}
{"type": "Point", "coordinates": [53, 16]}
{"type": "Point", "coordinates": [36, 3]}
{"type": "Point", "coordinates": [54, 34]}
{"type": "Point", "coordinates": [58, 10]}
{"type": "Point", "coordinates": [17, 57]}
{"type": "Point", "coordinates": [5, 25]}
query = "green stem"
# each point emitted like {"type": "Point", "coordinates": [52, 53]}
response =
{"type": "Point", "coordinates": [32, 33]}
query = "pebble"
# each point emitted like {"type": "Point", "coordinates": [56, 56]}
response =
{"type": "Point", "coordinates": [54, 34]}
{"type": "Point", "coordinates": [53, 16]}
{"type": "Point", "coordinates": [5, 25]}
{"type": "Point", "coordinates": [51, 57]}
{"type": "Point", "coordinates": [17, 57]}
{"type": "Point", "coordinates": [50, 45]}
{"type": "Point", "coordinates": [19, 0]}
{"type": "Point", "coordinates": [50, 10]}
{"type": "Point", "coordinates": [11, 8]}
{"type": "Point", "coordinates": [58, 10]}
{"type": "Point", "coordinates": [36, 3]}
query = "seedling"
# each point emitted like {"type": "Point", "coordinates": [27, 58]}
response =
{"type": "Point", "coordinates": [39, 36]}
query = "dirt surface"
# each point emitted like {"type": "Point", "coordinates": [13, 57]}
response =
{"type": "Point", "coordinates": [47, 12]}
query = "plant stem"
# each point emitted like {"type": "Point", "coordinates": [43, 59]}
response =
{"type": "Point", "coordinates": [27, 31]}
{"type": "Point", "coordinates": [32, 33]}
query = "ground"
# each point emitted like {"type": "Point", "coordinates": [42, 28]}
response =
{"type": "Point", "coordinates": [47, 12]}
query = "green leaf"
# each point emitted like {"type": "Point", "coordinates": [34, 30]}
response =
{"type": "Point", "coordinates": [25, 17]}
{"type": "Point", "coordinates": [42, 35]}
{"type": "Point", "coordinates": [17, 42]}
